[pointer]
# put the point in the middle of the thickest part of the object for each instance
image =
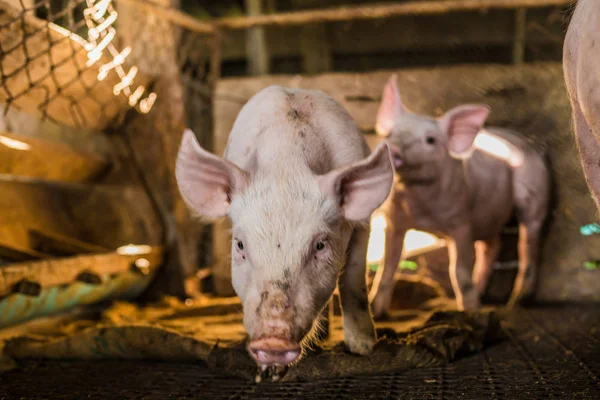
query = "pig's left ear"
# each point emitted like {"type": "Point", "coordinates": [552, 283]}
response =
{"type": "Point", "coordinates": [462, 124]}
{"type": "Point", "coordinates": [362, 187]}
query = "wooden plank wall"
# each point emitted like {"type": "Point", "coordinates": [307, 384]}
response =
{"type": "Point", "coordinates": [530, 98]}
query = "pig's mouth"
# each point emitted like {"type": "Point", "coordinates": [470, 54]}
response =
{"type": "Point", "coordinates": [397, 158]}
{"type": "Point", "coordinates": [269, 357]}
{"type": "Point", "coordinates": [398, 161]}
{"type": "Point", "coordinates": [401, 164]}
{"type": "Point", "coordinates": [273, 356]}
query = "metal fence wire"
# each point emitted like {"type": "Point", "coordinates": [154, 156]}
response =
{"type": "Point", "coordinates": [83, 63]}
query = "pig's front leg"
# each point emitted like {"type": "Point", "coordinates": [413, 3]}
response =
{"type": "Point", "coordinates": [384, 284]}
{"type": "Point", "coordinates": [359, 331]}
{"type": "Point", "coordinates": [461, 253]}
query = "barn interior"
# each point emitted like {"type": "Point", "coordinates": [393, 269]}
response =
{"type": "Point", "coordinates": [109, 285]}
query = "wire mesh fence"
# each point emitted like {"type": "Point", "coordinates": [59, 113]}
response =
{"type": "Point", "coordinates": [83, 63]}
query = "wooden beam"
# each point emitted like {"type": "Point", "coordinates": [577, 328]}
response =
{"type": "Point", "coordinates": [64, 271]}
{"type": "Point", "coordinates": [14, 253]}
{"type": "Point", "coordinates": [56, 244]}
{"type": "Point", "coordinates": [38, 56]}
{"type": "Point", "coordinates": [154, 140]}
{"type": "Point", "coordinates": [107, 216]}
{"type": "Point", "coordinates": [338, 14]}
{"type": "Point", "coordinates": [380, 11]}
{"type": "Point", "coordinates": [45, 159]}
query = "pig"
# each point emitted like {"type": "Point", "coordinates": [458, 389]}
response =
{"type": "Point", "coordinates": [449, 187]}
{"type": "Point", "coordinates": [299, 185]}
{"type": "Point", "coordinates": [581, 65]}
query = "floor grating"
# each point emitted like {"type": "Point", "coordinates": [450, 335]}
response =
{"type": "Point", "coordinates": [550, 352]}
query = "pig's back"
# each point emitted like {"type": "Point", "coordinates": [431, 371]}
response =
{"type": "Point", "coordinates": [512, 137]}
{"type": "Point", "coordinates": [496, 184]}
{"type": "Point", "coordinates": [288, 129]}
{"type": "Point", "coordinates": [491, 194]}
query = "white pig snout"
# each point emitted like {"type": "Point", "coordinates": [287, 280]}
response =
{"type": "Point", "coordinates": [272, 341]}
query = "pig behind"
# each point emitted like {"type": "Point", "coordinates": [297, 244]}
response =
{"type": "Point", "coordinates": [448, 188]}
{"type": "Point", "coordinates": [298, 183]}
{"type": "Point", "coordinates": [581, 63]}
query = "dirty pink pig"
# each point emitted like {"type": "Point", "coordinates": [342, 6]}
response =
{"type": "Point", "coordinates": [299, 184]}
{"type": "Point", "coordinates": [447, 186]}
{"type": "Point", "coordinates": [581, 61]}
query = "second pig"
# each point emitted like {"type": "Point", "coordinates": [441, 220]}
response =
{"type": "Point", "coordinates": [464, 195]}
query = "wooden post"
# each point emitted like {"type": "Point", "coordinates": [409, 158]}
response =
{"type": "Point", "coordinates": [256, 47]}
{"type": "Point", "coordinates": [258, 64]}
{"type": "Point", "coordinates": [221, 240]}
{"type": "Point", "coordinates": [155, 137]}
{"type": "Point", "coordinates": [520, 32]}
{"type": "Point", "coordinates": [316, 52]}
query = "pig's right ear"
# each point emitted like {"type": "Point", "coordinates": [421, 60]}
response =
{"type": "Point", "coordinates": [362, 187]}
{"type": "Point", "coordinates": [206, 182]}
{"type": "Point", "coordinates": [390, 109]}
{"type": "Point", "coordinates": [462, 124]}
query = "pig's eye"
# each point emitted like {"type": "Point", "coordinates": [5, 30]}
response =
{"type": "Point", "coordinates": [430, 140]}
{"type": "Point", "coordinates": [240, 245]}
{"type": "Point", "coordinates": [320, 245]}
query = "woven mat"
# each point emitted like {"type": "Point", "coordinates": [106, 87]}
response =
{"type": "Point", "coordinates": [212, 331]}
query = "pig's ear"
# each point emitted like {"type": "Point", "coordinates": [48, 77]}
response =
{"type": "Point", "coordinates": [390, 109]}
{"type": "Point", "coordinates": [206, 182]}
{"type": "Point", "coordinates": [462, 124]}
{"type": "Point", "coordinates": [362, 187]}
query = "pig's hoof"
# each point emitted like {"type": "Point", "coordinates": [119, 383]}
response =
{"type": "Point", "coordinates": [270, 373]}
{"type": "Point", "coordinates": [361, 345]}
